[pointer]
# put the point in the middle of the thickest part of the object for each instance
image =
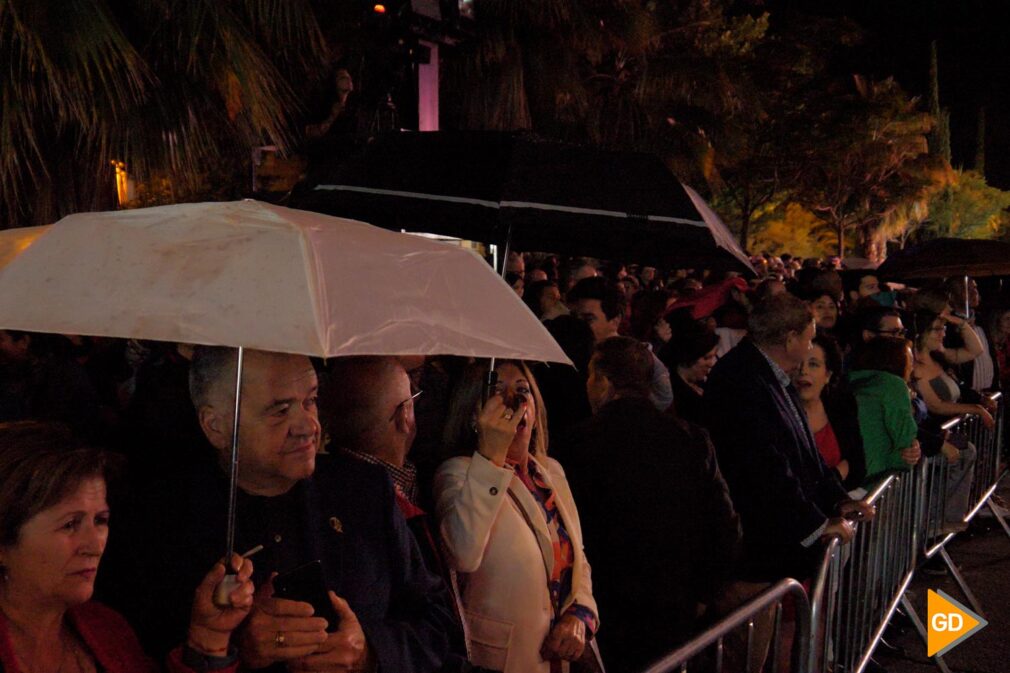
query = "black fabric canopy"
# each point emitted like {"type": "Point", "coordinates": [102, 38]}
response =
{"type": "Point", "coordinates": [945, 257]}
{"type": "Point", "coordinates": [482, 185]}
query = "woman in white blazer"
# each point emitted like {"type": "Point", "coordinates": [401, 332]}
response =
{"type": "Point", "coordinates": [511, 529]}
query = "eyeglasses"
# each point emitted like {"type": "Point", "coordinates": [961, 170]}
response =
{"type": "Point", "coordinates": [892, 332]}
{"type": "Point", "coordinates": [403, 403]}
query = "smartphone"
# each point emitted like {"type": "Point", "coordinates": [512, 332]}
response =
{"type": "Point", "coordinates": [306, 584]}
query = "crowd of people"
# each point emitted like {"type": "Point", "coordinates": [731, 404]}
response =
{"type": "Point", "coordinates": [713, 432]}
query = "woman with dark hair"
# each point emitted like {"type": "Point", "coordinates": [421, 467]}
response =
{"type": "Point", "coordinates": [690, 356]}
{"type": "Point", "coordinates": [506, 514]}
{"type": "Point", "coordinates": [881, 370]}
{"type": "Point", "coordinates": [934, 383]}
{"type": "Point", "coordinates": [825, 309]}
{"type": "Point", "coordinates": [54, 523]}
{"type": "Point", "coordinates": [831, 411]}
{"type": "Point", "coordinates": [942, 395]}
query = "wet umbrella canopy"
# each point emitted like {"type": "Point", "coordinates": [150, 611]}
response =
{"type": "Point", "coordinates": [542, 195]}
{"type": "Point", "coordinates": [250, 275]}
{"type": "Point", "coordinates": [944, 257]}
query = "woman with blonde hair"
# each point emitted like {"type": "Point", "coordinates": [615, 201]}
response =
{"type": "Point", "coordinates": [512, 530]}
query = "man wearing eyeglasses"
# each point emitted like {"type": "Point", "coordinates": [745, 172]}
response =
{"type": "Point", "coordinates": [368, 412]}
{"type": "Point", "coordinates": [880, 321]}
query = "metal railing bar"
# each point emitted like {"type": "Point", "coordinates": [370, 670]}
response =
{"type": "Point", "coordinates": [959, 578]}
{"type": "Point", "coordinates": [879, 633]}
{"type": "Point", "coordinates": [921, 629]}
{"type": "Point", "coordinates": [738, 618]}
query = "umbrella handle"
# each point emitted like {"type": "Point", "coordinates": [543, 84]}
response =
{"type": "Point", "coordinates": [223, 590]}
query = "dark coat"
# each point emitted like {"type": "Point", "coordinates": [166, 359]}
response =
{"type": "Point", "coordinates": [843, 414]}
{"type": "Point", "coordinates": [780, 485]}
{"type": "Point", "coordinates": [658, 526]}
{"type": "Point", "coordinates": [688, 404]}
{"type": "Point", "coordinates": [173, 530]}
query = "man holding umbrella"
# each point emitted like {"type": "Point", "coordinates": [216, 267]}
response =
{"type": "Point", "coordinates": [301, 507]}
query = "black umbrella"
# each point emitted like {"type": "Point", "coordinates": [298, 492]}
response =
{"type": "Point", "coordinates": [945, 257]}
{"type": "Point", "coordinates": [949, 257]}
{"type": "Point", "coordinates": [535, 194]}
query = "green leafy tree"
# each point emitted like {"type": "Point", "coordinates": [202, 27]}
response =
{"type": "Point", "coordinates": [758, 147]}
{"type": "Point", "coordinates": [787, 227]}
{"type": "Point", "coordinates": [968, 208]}
{"type": "Point", "coordinates": [868, 154]}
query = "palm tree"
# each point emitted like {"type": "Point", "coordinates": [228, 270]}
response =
{"type": "Point", "coordinates": [168, 87]}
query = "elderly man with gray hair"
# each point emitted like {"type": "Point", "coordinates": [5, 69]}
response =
{"type": "Point", "coordinates": [786, 496]}
{"type": "Point", "coordinates": [329, 518]}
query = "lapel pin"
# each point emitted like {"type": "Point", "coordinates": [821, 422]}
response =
{"type": "Point", "coordinates": [336, 525]}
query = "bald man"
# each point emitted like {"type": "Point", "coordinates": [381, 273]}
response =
{"type": "Point", "coordinates": [368, 411]}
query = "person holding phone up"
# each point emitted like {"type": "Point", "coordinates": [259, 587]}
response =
{"type": "Point", "coordinates": [512, 530]}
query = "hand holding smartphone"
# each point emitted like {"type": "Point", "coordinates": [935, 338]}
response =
{"type": "Point", "coordinates": [306, 584]}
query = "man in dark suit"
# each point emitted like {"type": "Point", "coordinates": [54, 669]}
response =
{"type": "Point", "coordinates": [787, 498]}
{"type": "Point", "coordinates": [301, 507]}
{"type": "Point", "coordinates": [658, 525]}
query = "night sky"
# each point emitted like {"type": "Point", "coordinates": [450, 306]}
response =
{"type": "Point", "coordinates": [973, 40]}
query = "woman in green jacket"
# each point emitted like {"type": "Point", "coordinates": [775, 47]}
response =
{"type": "Point", "coordinates": [881, 370]}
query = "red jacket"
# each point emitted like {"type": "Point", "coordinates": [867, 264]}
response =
{"type": "Point", "coordinates": [109, 639]}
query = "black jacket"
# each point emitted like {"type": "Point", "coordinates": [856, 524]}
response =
{"type": "Point", "coordinates": [843, 414]}
{"type": "Point", "coordinates": [172, 532]}
{"type": "Point", "coordinates": [780, 485]}
{"type": "Point", "coordinates": [657, 523]}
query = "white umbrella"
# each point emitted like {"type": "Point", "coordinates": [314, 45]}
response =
{"type": "Point", "coordinates": [252, 275]}
{"type": "Point", "coordinates": [260, 276]}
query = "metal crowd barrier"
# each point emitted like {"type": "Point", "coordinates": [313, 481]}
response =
{"type": "Point", "coordinates": [987, 473]}
{"type": "Point", "coordinates": [707, 651]}
{"type": "Point", "coordinates": [989, 470]}
{"type": "Point", "coordinates": [858, 587]}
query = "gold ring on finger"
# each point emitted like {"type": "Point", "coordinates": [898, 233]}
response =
{"type": "Point", "coordinates": [279, 639]}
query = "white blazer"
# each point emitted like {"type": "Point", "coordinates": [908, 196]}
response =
{"type": "Point", "coordinates": [497, 538]}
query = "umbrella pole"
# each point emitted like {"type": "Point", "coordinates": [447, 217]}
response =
{"type": "Point", "coordinates": [233, 471]}
{"type": "Point", "coordinates": [967, 304]}
{"type": "Point", "coordinates": [492, 378]}
{"type": "Point", "coordinates": [230, 581]}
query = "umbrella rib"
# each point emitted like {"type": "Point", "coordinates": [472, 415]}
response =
{"type": "Point", "coordinates": [313, 272]}
{"type": "Point", "coordinates": [596, 211]}
{"type": "Point", "coordinates": [506, 204]}
{"type": "Point", "coordinates": [408, 195]}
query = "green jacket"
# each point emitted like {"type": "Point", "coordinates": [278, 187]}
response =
{"type": "Point", "coordinates": [885, 420]}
